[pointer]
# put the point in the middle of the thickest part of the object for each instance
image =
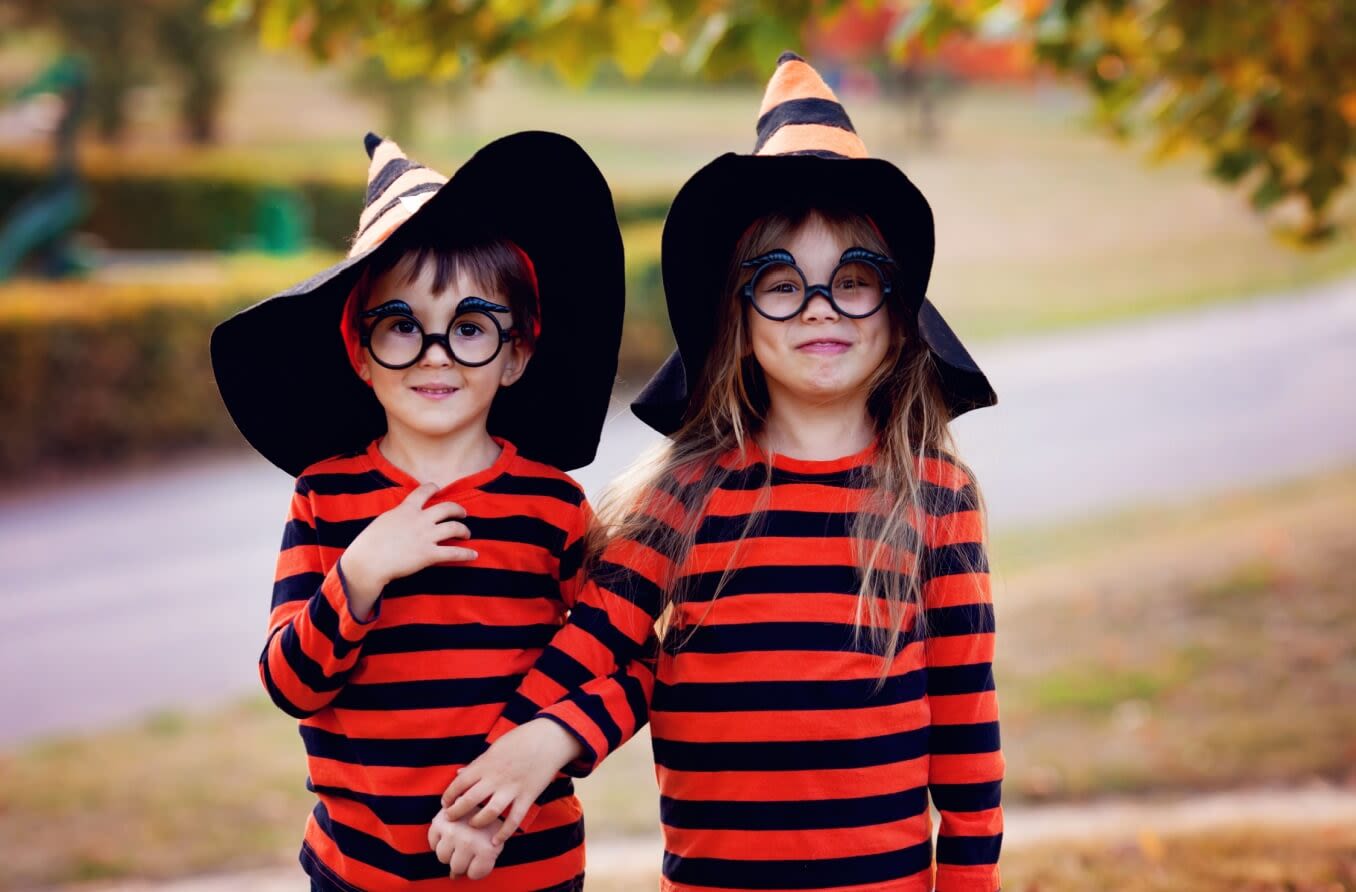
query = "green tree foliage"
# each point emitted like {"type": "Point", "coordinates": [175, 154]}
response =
{"type": "Point", "coordinates": [1268, 89]}
{"type": "Point", "coordinates": [441, 38]}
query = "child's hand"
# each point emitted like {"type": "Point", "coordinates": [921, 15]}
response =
{"type": "Point", "coordinates": [399, 542]}
{"type": "Point", "coordinates": [464, 849]}
{"type": "Point", "coordinates": [511, 775]}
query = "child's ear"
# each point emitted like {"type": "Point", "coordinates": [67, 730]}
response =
{"type": "Point", "coordinates": [519, 355]}
{"type": "Point", "coordinates": [364, 370]}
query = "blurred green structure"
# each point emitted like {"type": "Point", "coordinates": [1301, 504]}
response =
{"type": "Point", "coordinates": [43, 224]}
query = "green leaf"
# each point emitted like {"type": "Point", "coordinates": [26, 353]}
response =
{"type": "Point", "coordinates": [1230, 166]}
{"type": "Point", "coordinates": [1269, 191]}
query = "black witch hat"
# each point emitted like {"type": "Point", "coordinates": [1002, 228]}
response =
{"type": "Point", "coordinates": [807, 155]}
{"type": "Point", "coordinates": [282, 365]}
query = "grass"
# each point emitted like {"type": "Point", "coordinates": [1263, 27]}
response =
{"type": "Point", "coordinates": [1190, 648]}
{"type": "Point", "coordinates": [1263, 860]}
{"type": "Point", "coordinates": [1215, 652]}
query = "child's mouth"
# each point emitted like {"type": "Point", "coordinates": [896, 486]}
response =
{"type": "Point", "coordinates": [435, 391]}
{"type": "Point", "coordinates": [824, 346]}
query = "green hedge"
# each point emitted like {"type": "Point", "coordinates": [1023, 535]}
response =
{"type": "Point", "coordinates": [203, 211]}
{"type": "Point", "coordinates": [91, 390]}
{"type": "Point", "coordinates": [98, 374]}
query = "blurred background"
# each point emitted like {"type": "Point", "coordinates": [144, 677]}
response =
{"type": "Point", "coordinates": [1144, 233]}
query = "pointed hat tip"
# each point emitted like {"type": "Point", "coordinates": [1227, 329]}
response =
{"type": "Point", "coordinates": [370, 142]}
{"type": "Point", "coordinates": [789, 56]}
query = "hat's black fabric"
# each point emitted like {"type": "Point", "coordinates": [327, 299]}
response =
{"type": "Point", "coordinates": [283, 369]}
{"type": "Point", "coordinates": [808, 156]}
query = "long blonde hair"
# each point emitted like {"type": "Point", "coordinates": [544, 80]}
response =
{"type": "Point", "coordinates": [729, 405]}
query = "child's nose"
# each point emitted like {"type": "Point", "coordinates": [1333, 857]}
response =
{"type": "Point", "coordinates": [437, 356]}
{"type": "Point", "coordinates": [819, 308]}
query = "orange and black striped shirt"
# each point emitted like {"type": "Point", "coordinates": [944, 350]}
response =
{"type": "Point", "coordinates": [390, 708]}
{"type": "Point", "coordinates": [783, 762]}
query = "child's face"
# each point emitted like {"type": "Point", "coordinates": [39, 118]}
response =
{"type": "Point", "coordinates": [437, 396]}
{"type": "Point", "coordinates": [819, 355]}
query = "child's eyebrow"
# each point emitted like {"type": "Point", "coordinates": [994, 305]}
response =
{"type": "Point", "coordinates": [778, 254]}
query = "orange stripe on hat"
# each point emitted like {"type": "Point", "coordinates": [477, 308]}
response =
{"type": "Point", "coordinates": [418, 176]}
{"type": "Point", "coordinates": [792, 138]}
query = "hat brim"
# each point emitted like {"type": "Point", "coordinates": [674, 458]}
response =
{"type": "Point", "coordinates": [284, 374]}
{"type": "Point", "coordinates": [720, 201]}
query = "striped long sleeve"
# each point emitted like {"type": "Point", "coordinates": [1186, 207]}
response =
{"type": "Point", "coordinates": [314, 640]}
{"type": "Point", "coordinates": [596, 677]}
{"type": "Point", "coordinates": [966, 764]}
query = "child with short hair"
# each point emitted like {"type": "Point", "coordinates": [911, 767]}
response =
{"type": "Point", "coordinates": [808, 542]}
{"type": "Point", "coordinates": [429, 393]}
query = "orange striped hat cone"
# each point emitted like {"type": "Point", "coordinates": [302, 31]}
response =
{"type": "Point", "coordinates": [283, 366]}
{"type": "Point", "coordinates": [802, 116]}
{"type": "Point", "coordinates": [396, 189]}
{"type": "Point", "coordinates": [807, 155]}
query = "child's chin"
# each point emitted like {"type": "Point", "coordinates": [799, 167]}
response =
{"type": "Point", "coordinates": [437, 421]}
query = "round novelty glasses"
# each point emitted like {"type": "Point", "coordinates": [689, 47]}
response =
{"type": "Point", "coordinates": [779, 291]}
{"type": "Point", "coordinates": [474, 337]}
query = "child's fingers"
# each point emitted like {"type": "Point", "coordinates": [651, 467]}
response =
{"type": "Point", "coordinates": [461, 859]}
{"type": "Point", "coordinates": [492, 809]}
{"type": "Point", "coordinates": [481, 865]}
{"type": "Point", "coordinates": [464, 780]}
{"type": "Point", "coordinates": [512, 821]}
{"type": "Point", "coordinates": [443, 553]}
{"type": "Point", "coordinates": [420, 494]}
{"type": "Point", "coordinates": [451, 529]}
{"type": "Point", "coordinates": [467, 801]}
{"type": "Point", "coordinates": [445, 511]}
{"type": "Point", "coordinates": [434, 834]}
{"type": "Point", "coordinates": [446, 846]}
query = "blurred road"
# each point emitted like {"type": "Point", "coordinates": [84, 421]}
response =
{"type": "Point", "coordinates": [150, 590]}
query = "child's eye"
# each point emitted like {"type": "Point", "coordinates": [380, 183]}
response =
{"type": "Point", "coordinates": [467, 330]}
{"type": "Point", "coordinates": [405, 327]}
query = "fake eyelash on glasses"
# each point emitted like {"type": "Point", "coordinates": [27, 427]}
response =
{"type": "Point", "coordinates": [399, 307]}
{"type": "Point", "coordinates": [781, 256]}
{"type": "Point", "coordinates": [390, 308]}
{"type": "Point", "coordinates": [863, 254]}
{"type": "Point", "coordinates": [770, 256]}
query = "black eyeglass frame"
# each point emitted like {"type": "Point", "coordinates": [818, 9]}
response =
{"type": "Point", "coordinates": [479, 305]}
{"type": "Point", "coordinates": [785, 258]}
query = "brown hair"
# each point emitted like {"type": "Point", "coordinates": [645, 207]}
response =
{"type": "Point", "coordinates": [729, 404]}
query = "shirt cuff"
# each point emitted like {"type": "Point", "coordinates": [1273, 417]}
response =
{"type": "Point", "coordinates": [587, 761]}
{"type": "Point", "coordinates": [335, 589]}
{"type": "Point", "coordinates": [968, 878]}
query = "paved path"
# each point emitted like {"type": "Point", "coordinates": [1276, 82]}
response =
{"type": "Point", "coordinates": [1111, 821]}
{"type": "Point", "coordinates": [150, 590]}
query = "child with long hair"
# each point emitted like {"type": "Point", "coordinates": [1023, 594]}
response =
{"type": "Point", "coordinates": [807, 542]}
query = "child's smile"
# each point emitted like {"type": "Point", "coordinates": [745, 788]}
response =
{"type": "Point", "coordinates": [435, 391]}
